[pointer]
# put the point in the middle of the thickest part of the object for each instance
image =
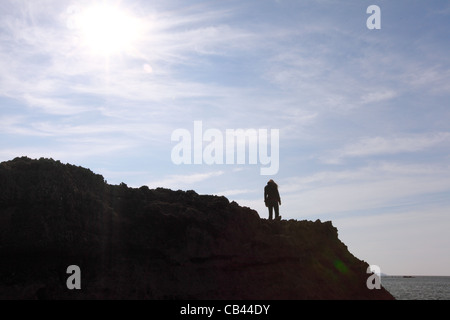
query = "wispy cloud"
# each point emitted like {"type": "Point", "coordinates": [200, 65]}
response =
{"type": "Point", "coordinates": [234, 192]}
{"type": "Point", "coordinates": [74, 152]}
{"type": "Point", "coordinates": [373, 146]}
{"type": "Point", "coordinates": [63, 67]}
{"type": "Point", "coordinates": [373, 187]}
{"type": "Point", "coordinates": [378, 96]}
{"type": "Point", "coordinates": [184, 181]}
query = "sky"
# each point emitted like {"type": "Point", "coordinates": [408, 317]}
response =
{"type": "Point", "coordinates": [351, 121]}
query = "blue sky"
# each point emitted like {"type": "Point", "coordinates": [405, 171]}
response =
{"type": "Point", "coordinates": [363, 115]}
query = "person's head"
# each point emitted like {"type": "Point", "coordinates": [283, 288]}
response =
{"type": "Point", "coordinates": [272, 182]}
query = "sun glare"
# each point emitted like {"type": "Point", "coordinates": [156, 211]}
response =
{"type": "Point", "coordinates": [107, 30]}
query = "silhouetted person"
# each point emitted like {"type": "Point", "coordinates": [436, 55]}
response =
{"type": "Point", "coordinates": [272, 199]}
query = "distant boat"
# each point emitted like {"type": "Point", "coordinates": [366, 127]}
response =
{"type": "Point", "coordinates": [408, 277]}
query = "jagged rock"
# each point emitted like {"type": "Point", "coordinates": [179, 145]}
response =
{"type": "Point", "coordinates": [141, 243]}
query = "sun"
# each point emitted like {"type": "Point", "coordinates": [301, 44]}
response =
{"type": "Point", "coordinates": [107, 29]}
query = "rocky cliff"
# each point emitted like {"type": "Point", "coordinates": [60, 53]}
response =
{"type": "Point", "coordinates": [138, 243]}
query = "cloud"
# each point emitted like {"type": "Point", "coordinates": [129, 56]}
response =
{"type": "Point", "coordinates": [184, 181]}
{"type": "Point", "coordinates": [378, 96]}
{"type": "Point", "coordinates": [374, 187]}
{"type": "Point", "coordinates": [373, 146]}
{"type": "Point", "coordinates": [43, 62]}
{"type": "Point", "coordinates": [70, 151]}
{"type": "Point", "coordinates": [234, 192]}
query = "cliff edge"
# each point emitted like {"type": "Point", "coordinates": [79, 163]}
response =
{"type": "Point", "coordinates": [141, 243]}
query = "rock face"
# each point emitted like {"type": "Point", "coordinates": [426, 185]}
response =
{"type": "Point", "coordinates": [137, 243]}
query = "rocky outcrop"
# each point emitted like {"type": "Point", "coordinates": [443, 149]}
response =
{"type": "Point", "coordinates": [138, 243]}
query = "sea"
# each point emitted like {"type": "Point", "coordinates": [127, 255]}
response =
{"type": "Point", "coordinates": [417, 287]}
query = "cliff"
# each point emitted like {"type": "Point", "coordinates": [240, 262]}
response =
{"type": "Point", "coordinates": [138, 243]}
